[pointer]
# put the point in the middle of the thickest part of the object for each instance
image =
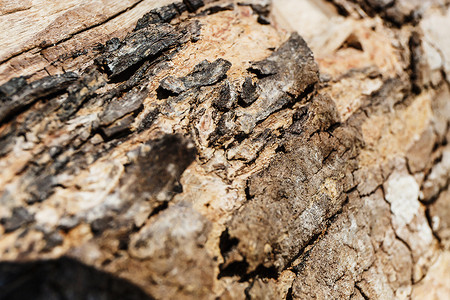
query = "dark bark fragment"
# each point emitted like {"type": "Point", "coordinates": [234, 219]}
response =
{"type": "Point", "coordinates": [16, 93]}
{"type": "Point", "coordinates": [380, 4]}
{"type": "Point", "coordinates": [20, 217]}
{"type": "Point", "coordinates": [156, 171]}
{"type": "Point", "coordinates": [225, 130]}
{"type": "Point", "coordinates": [112, 45]}
{"type": "Point", "coordinates": [52, 240]}
{"type": "Point", "coordinates": [119, 127]}
{"type": "Point", "coordinates": [262, 10]}
{"type": "Point", "coordinates": [286, 76]}
{"type": "Point", "coordinates": [226, 99]}
{"type": "Point", "coordinates": [138, 46]}
{"type": "Point", "coordinates": [148, 120]}
{"type": "Point", "coordinates": [293, 62]}
{"type": "Point", "coordinates": [41, 188]}
{"type": "Point", "coordinates": [193, 5]}
{"type": "Point", "coordinates": [205, 73]}
{"type": "Point", "coordinates": [395, 12]}
{"type": "Point", "coordinates": [249, 92]}
{"type": "Point", "coordinates": [84, 89]}
{"type": "Point", "coordinates": [118, 108]}
{"type": "Point", "coordinates": [161, 15]}
{"type": "Point", "coordinates": [215, 9]}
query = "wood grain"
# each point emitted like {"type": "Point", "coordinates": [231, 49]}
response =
{"type": "Point", "coordinates": [35, 35]}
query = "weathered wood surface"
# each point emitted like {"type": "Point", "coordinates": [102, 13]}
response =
{"type": "Point", "coordinates": [210, 151]}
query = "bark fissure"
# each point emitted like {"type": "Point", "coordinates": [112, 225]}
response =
{"type": "Point", "coordinates": [308, 167]}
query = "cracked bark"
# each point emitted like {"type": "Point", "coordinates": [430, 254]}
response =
{"type": "Point", "coordinates": [215, 150]}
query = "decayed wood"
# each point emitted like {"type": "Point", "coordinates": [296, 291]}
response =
{"type": "Point", "coordinates": [50, 39]}
{"type": "Point", "coordinates": [252, 150]}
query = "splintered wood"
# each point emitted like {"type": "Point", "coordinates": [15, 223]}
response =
{"type": "Point", "coordinates": [222, 150]}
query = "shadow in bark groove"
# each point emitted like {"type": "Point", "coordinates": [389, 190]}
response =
{"type": "Point", "coordinates": [63, 278]}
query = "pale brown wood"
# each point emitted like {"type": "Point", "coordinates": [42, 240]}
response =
{"type": "Point", "coordinates": [38, 33]}
{"type": "Point", "coordinates": [294, 149]}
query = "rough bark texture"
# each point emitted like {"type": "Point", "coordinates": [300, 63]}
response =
{"type": "Point", "coordinates": [288, 150]}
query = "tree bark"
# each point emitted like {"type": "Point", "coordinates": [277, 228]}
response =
{"type": "Point", "coordinates": [223, 150]}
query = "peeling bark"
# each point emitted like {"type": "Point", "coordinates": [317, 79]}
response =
{"type": "Point", "coordinates": [225, 150]}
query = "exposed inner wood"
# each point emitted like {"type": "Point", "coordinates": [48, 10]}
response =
{"type": "Point", "coordinates": [223, 150]}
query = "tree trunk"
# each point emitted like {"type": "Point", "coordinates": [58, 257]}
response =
{"type": "Point", "coordinates": [223, 150]}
